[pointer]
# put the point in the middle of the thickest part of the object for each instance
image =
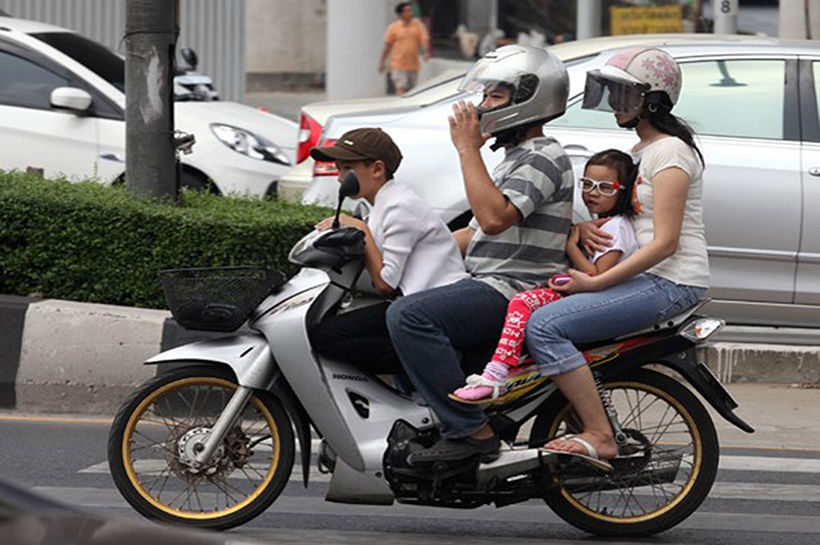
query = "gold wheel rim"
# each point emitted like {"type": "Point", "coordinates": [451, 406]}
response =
{"type": "Point", "coordinates": [697, 446]}
{"type": "Point", "coordinates": [194, 515]}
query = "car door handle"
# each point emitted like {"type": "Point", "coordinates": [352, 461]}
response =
{"type": "Point", "coordinates": [814, 171]}
{"type": "Point", "coordinates": [578, 150]}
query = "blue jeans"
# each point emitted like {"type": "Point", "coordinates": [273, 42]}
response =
{"type": "Point", "coordinates": [638, 303]}
{"type": "Point", "coordinates": [429, 328]}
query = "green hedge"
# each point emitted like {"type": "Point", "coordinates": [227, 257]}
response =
{"type": "Point", "coordinates": [86, 242]}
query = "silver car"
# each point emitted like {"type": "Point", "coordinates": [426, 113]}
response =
{"type": "Point", "coordinates": [754, 106]}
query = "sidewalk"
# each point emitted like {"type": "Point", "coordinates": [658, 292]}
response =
{"type": "Point", "coordinates": [784, 416]}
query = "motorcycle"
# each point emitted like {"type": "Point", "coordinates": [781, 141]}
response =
{"type": "Point", "coordinates": [210, 442]}
{"type": "Point", "coordinates": [190, 85]}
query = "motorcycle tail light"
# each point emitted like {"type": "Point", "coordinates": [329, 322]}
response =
{"type": "Point", "coordinates": [701, 329]}
{"type": "Point", "coordinates": [325, 168]}
{"type": "Point", "coordinates": [309, 131]}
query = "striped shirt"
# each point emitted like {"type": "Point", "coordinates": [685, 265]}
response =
{"type": "Point", "coordinates": [537, 178]}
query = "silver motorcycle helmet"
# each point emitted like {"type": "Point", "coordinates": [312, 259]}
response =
{"type": "Point", "coordinates": [537, 80]}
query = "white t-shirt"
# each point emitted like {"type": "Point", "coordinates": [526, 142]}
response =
{"type": "Point", "coordinates": [689, 264]}
{"type": "Point", "coordinates": [623, 238]}
{"type": "Point", "coordinates": [418, 251]}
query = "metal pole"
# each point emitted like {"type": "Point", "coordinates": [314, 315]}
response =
{"type": "Point", "coordinates": [725, 17]}
{"type": "Point", "coordinates": [150, 42]}
{"type": "Point", "coordinates": [588, 19]}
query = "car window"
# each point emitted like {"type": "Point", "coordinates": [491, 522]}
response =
{"type": "Point", "coordinates": [742, 98]}
{"type": "Point", "coordinates": [96, 57]}
{"type": "Point", "coordinates": [816, 68]}
{"type": "Point", "coordinates": [23, 83]}
{"type": "Point", "coordinates": [588, 119]}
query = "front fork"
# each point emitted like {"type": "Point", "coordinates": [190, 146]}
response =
{"type": "Point", "coordinates": [225, 422]}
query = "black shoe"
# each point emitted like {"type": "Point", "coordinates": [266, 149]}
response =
{"type": "Point", "coordinates": [449, 450]}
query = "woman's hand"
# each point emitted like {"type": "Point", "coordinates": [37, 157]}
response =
{"type": "Point", "coordinates": [344, 221]}
{"type": "Point", "coordinates": [465, 131]}
{"type": "Point", "coordinates": [578, 282]}
{"type": "Point", "coordinates": [592, 238]}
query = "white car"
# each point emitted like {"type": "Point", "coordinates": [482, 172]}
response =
{"type": "Point", "coordinates": [62, 113]}
{"type": "Point", "coordinates": [753, 103]}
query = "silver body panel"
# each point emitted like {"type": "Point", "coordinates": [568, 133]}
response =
{"type": "Point", "coordinates": [248, 355]}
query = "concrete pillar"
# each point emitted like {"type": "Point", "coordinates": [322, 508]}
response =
{"type": "Point", "coordinates": [588, 19]}
{"type": "Point", "coordinates": [354, 44]}
{"type": "Point", "coordinates": [725, 13]}
{"type": "Point", "coordinates": [814, 19]}
{"type": "Point", "coordinates": [792, 19]}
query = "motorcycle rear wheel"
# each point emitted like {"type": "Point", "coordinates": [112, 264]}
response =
{"type": "Point", "coordinates": [150, 450]}
{"type": "Point", "coordinates": [679, 439]}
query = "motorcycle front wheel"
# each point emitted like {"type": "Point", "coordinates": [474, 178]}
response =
{"type": "Point", "coordinates": [661, 476]}
{"type": "Point", "coordinates": [156, 433]}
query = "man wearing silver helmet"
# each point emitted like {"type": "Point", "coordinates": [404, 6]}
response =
{"type": "Point", "coordinates": [516, 240]}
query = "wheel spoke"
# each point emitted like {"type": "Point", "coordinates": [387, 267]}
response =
{"type": "Point", "coordinates": [173, 415]}
{"type": "Point", "coordinates": [647, 483]}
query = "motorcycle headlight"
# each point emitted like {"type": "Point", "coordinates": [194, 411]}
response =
{"type": "Point", "coordinates": [249, 144]}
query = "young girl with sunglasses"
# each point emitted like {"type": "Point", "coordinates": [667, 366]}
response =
{"type": "Point", "coordinates": [607, 187]}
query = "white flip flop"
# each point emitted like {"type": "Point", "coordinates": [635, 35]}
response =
{"type": "Point", "coordinates": [591, 457]}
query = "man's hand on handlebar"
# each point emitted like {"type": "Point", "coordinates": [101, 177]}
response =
{"type": "Point", "coordinates": [592, 237]}
{"type": "Point", "coordinates": [344, 221]}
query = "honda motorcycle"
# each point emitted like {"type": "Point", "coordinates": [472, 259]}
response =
{"type": "Point", "coordinates": [210, 442]}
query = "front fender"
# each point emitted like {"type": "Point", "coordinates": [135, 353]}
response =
{"type": "Point", "coordinates": [249, 357]}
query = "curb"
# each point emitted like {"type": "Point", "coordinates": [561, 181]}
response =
{"type": "Point", "coordinates": [69, 357]}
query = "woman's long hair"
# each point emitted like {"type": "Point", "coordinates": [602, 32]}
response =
{"type": "Point", "coordinates": [657, 110]}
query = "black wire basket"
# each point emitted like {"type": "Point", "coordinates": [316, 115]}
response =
{"type": "Point", "coordinates": [217, 298]}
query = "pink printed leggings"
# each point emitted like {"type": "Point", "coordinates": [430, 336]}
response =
{"type": "Point", "coordinates": [521, 306]}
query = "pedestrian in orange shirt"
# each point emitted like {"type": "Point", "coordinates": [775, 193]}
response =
{"type": "Point", "coordinates": [404, 38]}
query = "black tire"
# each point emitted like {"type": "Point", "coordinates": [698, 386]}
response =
{"type": "Point", "coordinates": [193, 180]}
{"type": "Point", "coordinates": [600, 504]}
{"type": "Point", "coordinates": [163, 415]}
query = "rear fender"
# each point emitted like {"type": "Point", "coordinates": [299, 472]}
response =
{"type": "Point", "coordinates": [250, 358]}
{"type": "Point", "coordinates": [679, 355]}
{"type": "Point", "coordinates": [707, 385]}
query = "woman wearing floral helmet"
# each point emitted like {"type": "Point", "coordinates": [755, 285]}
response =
{"type": "Point", "coordinates": [666, 275]}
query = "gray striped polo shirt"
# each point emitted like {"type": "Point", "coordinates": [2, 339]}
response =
{"type": "Point", "coordinates": [537, 177]}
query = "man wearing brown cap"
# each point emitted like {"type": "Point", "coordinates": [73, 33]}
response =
{"type": "Point", "coordinates": [407, 248]}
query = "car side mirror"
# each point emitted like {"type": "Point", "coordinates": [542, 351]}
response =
{"type": "Point", "coordinates": [70, 98]}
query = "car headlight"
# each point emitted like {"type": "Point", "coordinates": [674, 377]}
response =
{"type": "Point", "coordinates": [248, 143]}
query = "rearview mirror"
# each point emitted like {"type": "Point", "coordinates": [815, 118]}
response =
{"type": "Point", "coordinates": [348, 188]}
{"type": "Point", "coordinates": [70, 98]}
{"type": "Point", "coordinates": [189, 56]}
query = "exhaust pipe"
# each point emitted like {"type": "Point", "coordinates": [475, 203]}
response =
{"type": "Point", "coordinates": [511, 463]}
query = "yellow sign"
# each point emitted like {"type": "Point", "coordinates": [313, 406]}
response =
{"type": "Point", "coordinates": [646, 20]}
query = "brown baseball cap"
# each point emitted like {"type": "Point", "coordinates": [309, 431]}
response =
{"type": "Point", "coordinates": [361, 144]}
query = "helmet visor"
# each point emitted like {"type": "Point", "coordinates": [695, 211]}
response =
{"type": "Point", "coordinates": [609, 94]}
{"type": "Point", "coordinates": [487, 76]}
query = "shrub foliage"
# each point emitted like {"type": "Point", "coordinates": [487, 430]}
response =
{"type": "Point", "coordinates": [86, 242]}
